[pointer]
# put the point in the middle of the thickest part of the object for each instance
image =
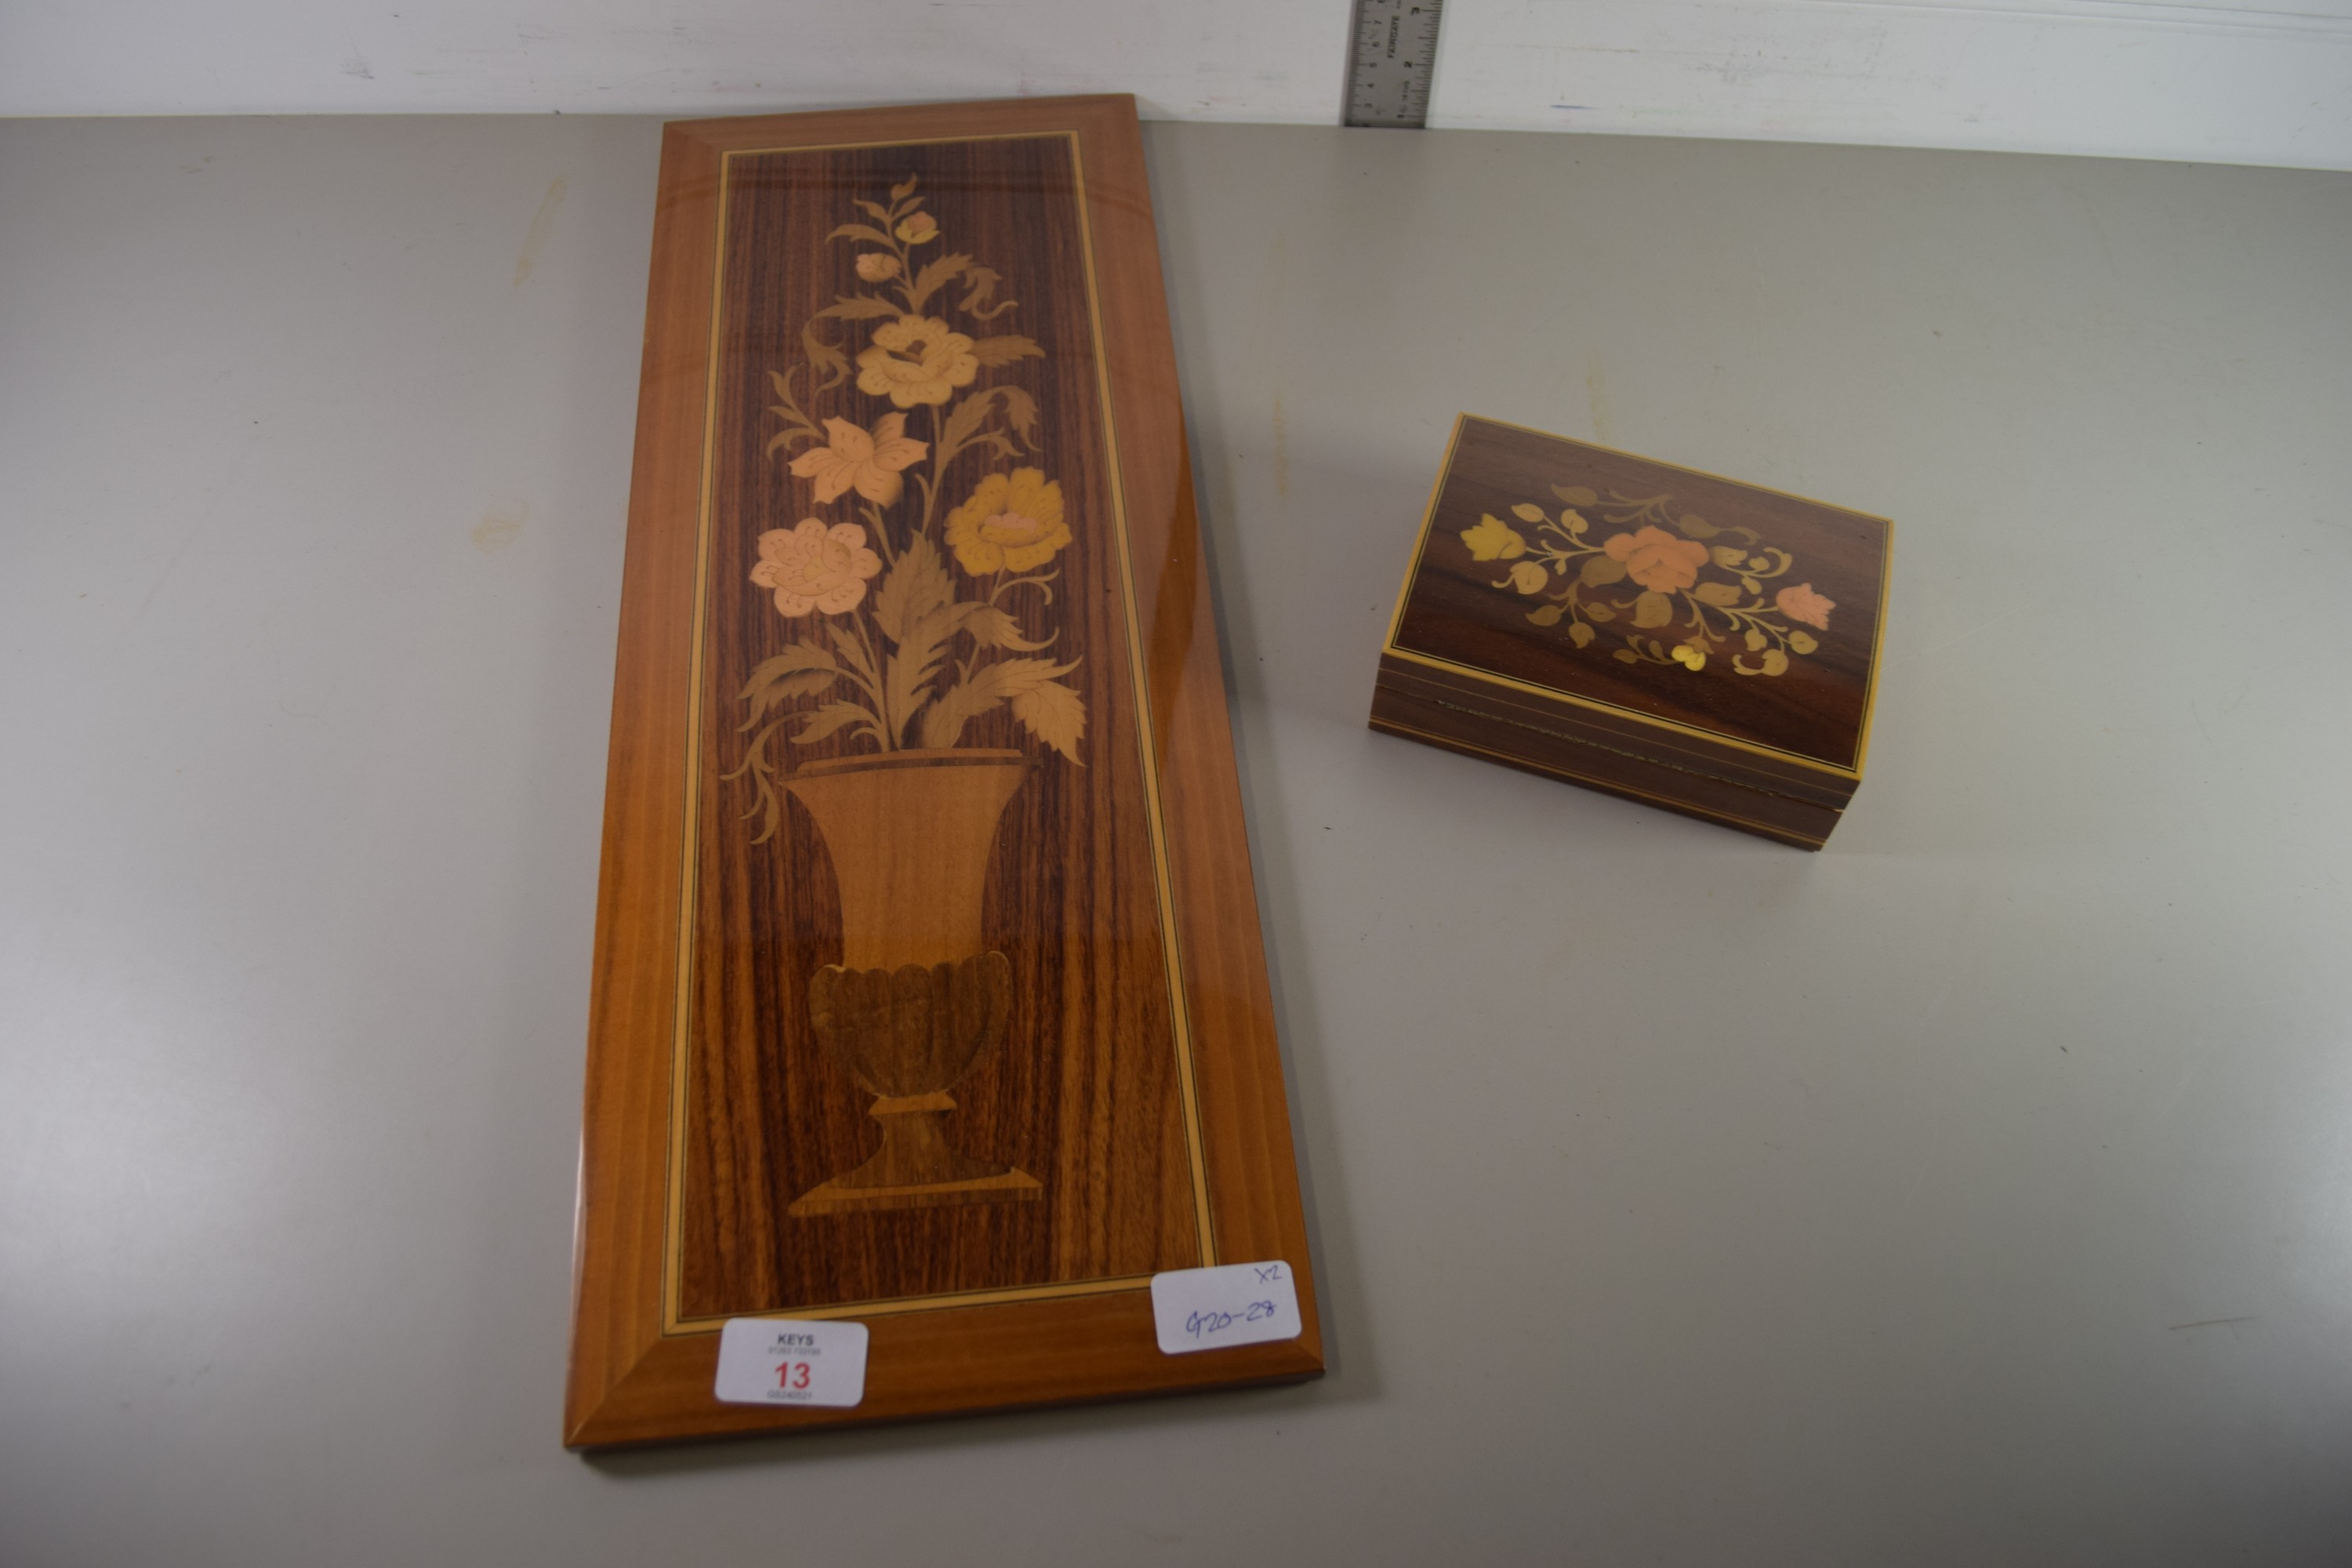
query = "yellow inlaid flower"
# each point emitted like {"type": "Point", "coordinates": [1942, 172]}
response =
{"type": "Point", "coordinates": [875, 267]}
{"type": "Point", "coordinates": [1801, 603]}
{"type": "Point", "coordinates": [1690, 656]}
{"type": "Point", "coordinates": [918, 227]}
{"type": "Point", "coordinates": [1494, 540]}
{"type": "Point", "coordinates": [1013, 522]}
{"type": "Point", "coordinates": [1657, 559]}
{"type": "Point", "coordinates": [853, 460]}
{"type": "Point", "coordinates": [813, 567]}
{"type": "Point", "coordinates": [915, 359]}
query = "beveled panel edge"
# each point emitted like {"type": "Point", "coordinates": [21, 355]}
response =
{"type": "Point", "coordinates": [993, 1358]}
{"type": "Point", "coordinates": [626, 1100]}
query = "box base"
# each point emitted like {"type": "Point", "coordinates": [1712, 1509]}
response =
{"type": "Point", "coordinates": [1800, 824]}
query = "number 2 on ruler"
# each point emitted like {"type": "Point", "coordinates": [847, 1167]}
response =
{"type": "Point", "coordinates": [792, 1375]}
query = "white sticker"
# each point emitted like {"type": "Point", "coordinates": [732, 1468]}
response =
{"type": "Point", "coordinates": [779, 1360]}
{"type": "Point", "coordinates": [1238, 1304]}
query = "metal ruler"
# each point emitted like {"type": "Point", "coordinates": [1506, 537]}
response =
{"type": "Point", "coordinates": [1388, 62]}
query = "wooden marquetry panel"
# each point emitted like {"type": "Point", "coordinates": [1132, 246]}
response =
{"type": "Point", "coordinates": [929, 984]}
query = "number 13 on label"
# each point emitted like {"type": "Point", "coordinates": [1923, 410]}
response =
{"type": "Point", "coordinates": [782, 1361]}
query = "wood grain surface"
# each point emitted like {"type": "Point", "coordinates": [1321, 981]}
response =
{"type": "Point", "coordinates": [710, 1105]}
{"type": "Point", "coordinates": [1453, 611]}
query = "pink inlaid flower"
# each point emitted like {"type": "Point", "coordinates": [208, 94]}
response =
{"type": "Point", "coordinates": [813, 567]}
{"type": "Point", "coordinates": [1658, 560]}
{"type": "Point", "coordinates": [875, 267]}
{"type": "Point", "coordinates": [1801, 603]}
{"type": "Point", "coordinates": [867, 462]}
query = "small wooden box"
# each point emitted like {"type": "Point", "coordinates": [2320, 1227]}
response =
{"type": "Point", "coordinates": [1647, 630]}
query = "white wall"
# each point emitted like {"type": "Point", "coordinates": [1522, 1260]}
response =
{"type": "Point", "coordinates": [2225, 81]}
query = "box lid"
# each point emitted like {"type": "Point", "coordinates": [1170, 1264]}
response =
{"type": "Point", "coordinates": [1668, 602]}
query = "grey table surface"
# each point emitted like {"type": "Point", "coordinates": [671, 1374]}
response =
{"type": "Point", "coordinates": [1978, 1189]}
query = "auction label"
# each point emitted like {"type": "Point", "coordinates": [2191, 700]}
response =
{"type": "Point", "coordinates": [781, 1361]}
{"type": "Point", "coordinates": [1235, 1304]}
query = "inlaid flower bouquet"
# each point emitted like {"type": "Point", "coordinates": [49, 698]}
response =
{"type": "Point", "coordinates": [891, 643]}
{"type": "Point", "coordinates": [1709, 583]}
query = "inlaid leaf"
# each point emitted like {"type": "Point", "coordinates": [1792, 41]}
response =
{"type": "Point", "coordinates": [905, 188]}
{"type": "Point", "coordinates": [992, 628]}
{"type": "Point", "coordinates": [1055, 714]}
{"type": "Point", "coordinates": [824, 355]}
{"type": "Point", "coordinates": [965, 418]}
{"type": "Point", "coordinates": [1581, 635]}
{"type": "Point", "coordinates": [1528, 513]}
{"type": "Point", "coordinates": [1622, 656]}
{"type": "Point", "coordinates": [1546, 615]}
{"type": "Point", "coordinates": [802, 669]}
{"type": "Point", "coordinates": [934, 273]}
{"type": "Point", "coordinates": [1696, 527]}
{"type": "Point", "coordinates": [981, 288]}
{"type": "Point", "coordinates": [881, 213]}
{"type": "Point", "coordinates": [796, 656]}
{"type": "Point", "coordinates": [1600, 571]}
{"type": "Point", "coordinates": [1005, 350]}
{"type": "Point", "coordinates": [949, 711]}
{"type": "Point", "coordinates": [964, 421]}
{"type": "Point", "coordinates": [906, 681]}
{"type": "Point", "coordinates": [1653, 609]}
{"type": "Point", "coordinates": [1803, 642]}
{"type": "Point", "coordinates": [828, 718]}
{"type": "Point", "coordinates": [915, 585]}
{"type": "Point", "coordinates": [1575, 495]}
{"type": "Point", "coordinates": [1754, 639]}
{"type": "Point", "coordinates": [859, 308]}
{"type": "Point", "coordinates": [982, 689]}
{"type": "Point", "coordinates": [853, 656]}
{"type": "Point", "coordinates": [1021, 413]}
{"type": "Point", "coordinates": [1751, 585]}
{"type": "Point", "coordinates": [808, 683]}
{"type": "Point", "coordinates": [1599, 612]}
{"type": "Point", "coordinates": [1729, 555]}
{"type": "Point", "coordinates": [1716, 594]}
{"type": "Point", "coordinates": [859, 231]}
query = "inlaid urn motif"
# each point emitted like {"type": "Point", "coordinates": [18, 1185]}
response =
{"type": "Point", "coordinates": [914, 1004]}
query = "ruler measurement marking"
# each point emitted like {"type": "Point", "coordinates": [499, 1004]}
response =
{"type": "Point", "coordinates": [1392, 50]}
